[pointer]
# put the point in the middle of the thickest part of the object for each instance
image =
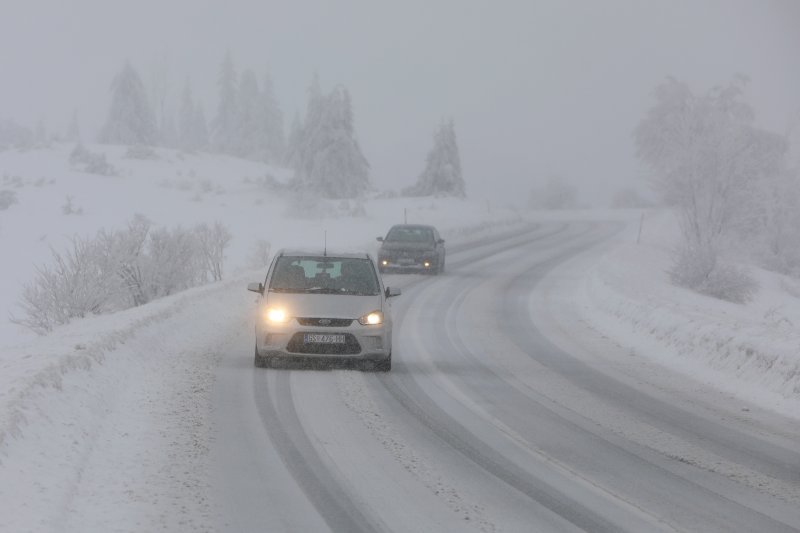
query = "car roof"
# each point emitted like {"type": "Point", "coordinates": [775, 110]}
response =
{"type": "Point", "coordinates": [323, 253]}
{"type": "Point", "coordinates": [412, 226]}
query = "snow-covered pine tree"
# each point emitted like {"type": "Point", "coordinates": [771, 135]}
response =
{"type": "Point", "coordinates": [249, 135]}
{"type": "Point", "coordinates": [442, 174]}
{"type": "Point", "coordinates": [272, 123]}
{"type": "Point", "coordinates": [73, 130]}
{"type": "Point", "coordinates": [302, 150]}
{"type": "Point", "coordinates": [168, 134]}
{"type": "Point", "coordinates": [186, 118]}
{"type": "Point", "coordinates": [224, 126]}
{"type": "Point", "coordinates": [200, 128]}
{"type": "Point", "coordinates": [331, 163]}
{"type": "Point", "coordinates": [295, 142]}
{"type": "Point", "coordinates": [130, 118]}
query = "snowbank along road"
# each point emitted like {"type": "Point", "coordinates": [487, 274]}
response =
{"type": "Point", "coordinates": [499, 415]}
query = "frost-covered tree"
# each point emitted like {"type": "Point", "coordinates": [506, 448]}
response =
{"type": "Point", "coordinates": [329, 161]}
{"type": "Point", "coordinates": [249, 134]}
{"type": "Point", "coordinates": [708, 161]}
{"type": "Point", "coordinates": [186, 118]}
{"type": "Point", "coordinates": [294, 142]}
{"type": "Point", "coordinates": [774, 236]}
{"type": "Point", "coordinates": [271, 119]}
{"type": "Point", "coordinates": [192, 128]}
{"type": "Point", "coordinates": [73, 130]}
{"type": "Point", "coordinates": [212, 242]}
{"type": "Point", "coordinates": [224, 126]}
{"type": "Point", "coordinates": [200, 131]}
{"type": "Point", "coordinates": [168, 134]}
{"type": "Point", "coordinates": [442, 174]}
{"type": "Point", "coordinates": [130, 118]}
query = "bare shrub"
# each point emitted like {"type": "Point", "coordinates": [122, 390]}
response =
{"type": "Point", "coordinates": [69, 208]}
{"type": "Point", "coordinates": [125, 258]}
{"type": "Point", "coordinates": [121, 269]}
{"type": "Point", "coordinates": [74, 286]}
{"type": "Point", "coordinates": [173, 264]}
{"type": "Point", "coordinates": [83, 160]}
{"type": "Point", "coordinates": [699, 269]}
{"type": "Point", "coordinates": [212, 243]}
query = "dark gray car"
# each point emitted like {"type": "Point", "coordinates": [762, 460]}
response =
{"type": "Point", "coordinates": [412, 248]}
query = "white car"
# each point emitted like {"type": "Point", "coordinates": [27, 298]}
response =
{"type": "Point", "coordinates": [321, 305]}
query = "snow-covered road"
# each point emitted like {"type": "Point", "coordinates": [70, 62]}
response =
{"type": "Point", "coordinates": [499, 415]}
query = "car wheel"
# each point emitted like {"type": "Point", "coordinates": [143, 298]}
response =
{"type": "Point", "coordinates": [440, 270]}
{"type": "Point", "coordinates": [385, 365]}
{"type": "Point", "coordinates": [260, 361]}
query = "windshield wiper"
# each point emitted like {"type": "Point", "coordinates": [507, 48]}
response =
{"type": "Point", "coordinates": [326, 290]}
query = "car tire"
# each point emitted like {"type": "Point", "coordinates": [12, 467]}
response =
{"type": "Point", "coordinates": [384, 365]}
{"type": "Point", "coordinates": [261, 361]}
{"type": "Point", "coordinates": [440, 270]}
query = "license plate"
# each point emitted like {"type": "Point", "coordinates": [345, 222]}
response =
{"type": "Point", "coordinates": [323, 338]}
{"type": "Point", "coordinates": [405, 261]}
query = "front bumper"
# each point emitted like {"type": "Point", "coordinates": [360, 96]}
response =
{"type": "Point", "coordinates": [361, 342]}
{"type": "Point", "coordinates": [417, 264]}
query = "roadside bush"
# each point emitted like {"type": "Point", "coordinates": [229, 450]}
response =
{"type": "Point", "coordinates": [121, 269]}
{"type": "Point", "coordinates": [75, 285]}
{"type": "Point", "coordinates": [212, 242]}
{"type": "Point", "coordinates": [83, 160]}
{"type": "Point", "coordinates": [700, 270]}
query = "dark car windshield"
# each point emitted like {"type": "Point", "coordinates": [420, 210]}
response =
{"type": "Point", "coordinates": [326, 275]}
{"type": "Point", "coordinates": [410, 234]}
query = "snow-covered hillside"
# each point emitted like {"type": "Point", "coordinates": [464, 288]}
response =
{"type": "Point", "coordinates": [56, 201]}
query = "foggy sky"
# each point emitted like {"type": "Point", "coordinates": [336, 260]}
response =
{"type": "Point", "coordinates": [535, 88]}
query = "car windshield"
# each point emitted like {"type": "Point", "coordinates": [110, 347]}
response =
{"type": "Point", "coordinates": [327, 275]}
{"type": "Point", "coordinates": [410, 234]}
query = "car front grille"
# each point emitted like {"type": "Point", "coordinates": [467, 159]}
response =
{"type": "Point", "coordinates": [349, 347]}
{"type": "Point", "coordinates": [325, 322]}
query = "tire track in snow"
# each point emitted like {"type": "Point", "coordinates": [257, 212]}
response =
{"type": "Point", "coordinates": [283, 425]}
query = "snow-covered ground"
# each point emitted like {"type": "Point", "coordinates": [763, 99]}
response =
{"type": "Point", "coordinates": [67, 400]}
{"type": "Point", "coordinates": [65, 395]}
{"type": "Point", "coordinates": [751, 351]}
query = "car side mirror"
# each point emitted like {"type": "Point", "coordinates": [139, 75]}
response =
{"type": "Point", "coordinates": [440, 241]}
{"type": "Point", "coordinates": [379, 239]}
{"type": "Point", "coordinates": [255, 287]}
{"type": "Point", "coordinates": [390, 292]}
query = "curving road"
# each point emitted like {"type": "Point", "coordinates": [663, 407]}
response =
{"type": "Point", "coordinates": [494, 419]}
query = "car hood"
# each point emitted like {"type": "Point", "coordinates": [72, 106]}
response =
{"type": "Point", "coordinates": [410, 246]}
{"type": "Point", "coordinates": [324, 305]}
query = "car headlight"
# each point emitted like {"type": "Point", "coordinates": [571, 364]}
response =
{"type": "Point", "coordinates": [275, 315]}
{"type": "Point", "coordinates": [371, 319]}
